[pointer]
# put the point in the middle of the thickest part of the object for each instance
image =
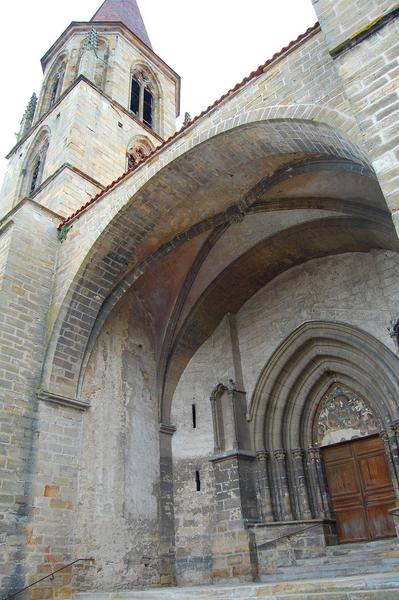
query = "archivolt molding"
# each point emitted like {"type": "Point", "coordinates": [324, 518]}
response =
{"type": "Point", "coordinates": [301, 370]}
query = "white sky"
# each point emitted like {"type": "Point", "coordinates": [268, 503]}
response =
{"type": "Point", "coordinates": [212, 44]}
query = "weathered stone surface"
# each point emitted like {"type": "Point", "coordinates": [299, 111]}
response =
{"type": "Point", "coordinates": [254, 254]}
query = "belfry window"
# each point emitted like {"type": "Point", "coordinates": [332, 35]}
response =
{"type": "Point", "coordinates": [147, 108]}
{"type": "Point", "coordinates": [138, 151]}
{"type": "Point", "coordinates": [53, 85]}
{"type": "Point", "coordinates": [142, 98]}
{"type": "Point", "coordinates": [54, 90]}
{"type": "Point", "coordinates": [35, 175]}
{"type": "Point", "coordinates": [32, 173]}
{"type": "Point", "coordinates": [135, 98]}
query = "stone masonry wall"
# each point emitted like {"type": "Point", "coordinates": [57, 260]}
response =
{"type": "Point", "coordinates": [194, 520]}
{"type": "Point", "coordinates": [191, 450]}
{"type": "Point", "coordinates": [341, 19]}
{"type": "Point", "coordinates": [117, 504]}
{"type": "Point", "coordinates": [25, 291]}
{"type": "Point", "coordinates": [370, 75]}
{"type": "Point", "coordinates": [358, 289]}
{"type": "Point", "coordinates": [349, 288]}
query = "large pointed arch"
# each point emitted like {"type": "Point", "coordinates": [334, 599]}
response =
{"type": "Point", "coordinates": [151, 209]}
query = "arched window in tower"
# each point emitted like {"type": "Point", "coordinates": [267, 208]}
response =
{"type": "Point", "coordinates": [143, 93]}
{"type": "Point", "coordinates": [135, 97]}
{"type": "Point", "coordinates": [32, 173]}
{"type": "Point", "coordinates": [55, 89]}
{"type": "Point", "coordinates": [93, 59]}
{"type": "Point", "coordinates": [35, 169]}
{"type": "Point", "coordinates": [147, 108]}
{"type": "Point", "coordinates": [52, 87]}
{"type": "Point", "coordinates": [35, 175]}
{"type": "Point", "coordinates": [138, 150]}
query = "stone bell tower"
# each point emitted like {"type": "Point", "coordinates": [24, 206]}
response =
{"type": "Point", "coordinates": [107, 100]}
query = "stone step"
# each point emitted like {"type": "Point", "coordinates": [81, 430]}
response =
{"type": "Point", "coordinates": [374, 546]}
{"type": "Point", "coordinates": [309, 572]}
{"type": "Point", "coordinates": [394, 551]}
{"type": "Point", "coordinates": [339, 560]}
{"type": "Point", "coordinates": [370, 587]}
{"type": "Point", "coordinates": [358, 560]}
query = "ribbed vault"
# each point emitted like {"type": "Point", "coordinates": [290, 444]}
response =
{"type": "Point", "coordinates": [160, 241]}
{"type": "Point", "coordinates": [241, 279]}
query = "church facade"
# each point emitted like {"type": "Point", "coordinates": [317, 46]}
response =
{"type": "Point", "coordinates": [199, 330]}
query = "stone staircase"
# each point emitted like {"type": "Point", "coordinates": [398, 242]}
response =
{"type": "Point", "coordinates": [344, 560]}
{"type": "Point", "coordinates": [378, 587]}
{"type": "Point", "coordinates": [348, 572]}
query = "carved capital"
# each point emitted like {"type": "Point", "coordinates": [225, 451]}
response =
{"type": "Point", "coordinates": [313, 454]}
{"type": "Point", "coordinates": [297, 453]}
{"type": "Point", "coordinates": [383, 435]}
{"type": "Point", "coordinates": [280, 454]}
{"type": "Point", "coordinates": [262, 455]}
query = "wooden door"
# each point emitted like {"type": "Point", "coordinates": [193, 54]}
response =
{"type": "Point", "coordinates": [361, 489]}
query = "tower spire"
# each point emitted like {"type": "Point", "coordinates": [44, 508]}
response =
{"type": "Point", "coordinates": [126, 11]}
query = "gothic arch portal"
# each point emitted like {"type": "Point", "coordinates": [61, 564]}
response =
{"type": "Point", "coordinates": [314, 360]}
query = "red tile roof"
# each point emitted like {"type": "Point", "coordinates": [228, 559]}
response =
{"type": "Point", "coordinates": [250, 77]}
{"type": "Point", "coordinates": [126, 11]}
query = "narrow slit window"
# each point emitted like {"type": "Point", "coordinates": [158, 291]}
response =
{"type": "Point", "coordinates": [194, 415]}
{"type": "Point", "coordinates": [197, 481]}
{"type": "Point", "coordinates": [147, 108]}
{"type": "Point", "coordinates": [135, 97]}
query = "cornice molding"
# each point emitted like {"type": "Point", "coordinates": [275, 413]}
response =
{"type": "Point", "coordinates": [58, 399]}
{"type": "Point", "coordinates": [237, 454]}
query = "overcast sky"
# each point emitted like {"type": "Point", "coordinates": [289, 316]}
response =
{"type": "Point", "coordinates": [212, 44]}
